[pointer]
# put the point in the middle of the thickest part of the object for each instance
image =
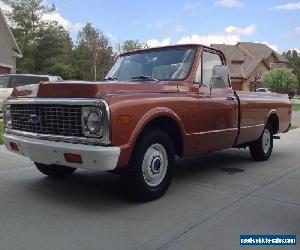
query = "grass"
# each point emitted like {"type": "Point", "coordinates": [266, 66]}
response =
{"type": "Point", "coordinates": [296, 107]}
{"type": "Point", "coordinates": [1, 131]}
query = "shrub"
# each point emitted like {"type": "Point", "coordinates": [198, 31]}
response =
{"type": "Point", "coordinates": [281, 81]}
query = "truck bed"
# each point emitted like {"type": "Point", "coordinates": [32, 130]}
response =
{"type": "Point", "coordinates": [255, 108]}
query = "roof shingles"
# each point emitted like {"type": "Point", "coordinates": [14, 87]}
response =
{"type": "Point", "coordinates": [244, 57]}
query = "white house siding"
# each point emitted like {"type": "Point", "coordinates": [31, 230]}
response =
{"type": "Point", "coordinates": [9, 50]}
{"type": "Point", "coordinates": [7, 58]}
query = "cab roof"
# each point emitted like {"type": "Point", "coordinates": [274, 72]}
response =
{"type": "Point", "coordinates": [171, 47]}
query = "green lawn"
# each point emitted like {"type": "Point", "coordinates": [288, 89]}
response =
{"type": "Point", "coordinates": [296, 107]}
{"type": "Point", "coordinates": [1, 132]}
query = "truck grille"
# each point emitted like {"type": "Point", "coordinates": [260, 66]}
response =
{"type": "Point", "coordinates": [47, 119]}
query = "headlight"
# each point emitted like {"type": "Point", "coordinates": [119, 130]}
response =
{"type": "Point", "coordinates": [7, 116]}
{"type": "Point", "coordinates": [92, 122]}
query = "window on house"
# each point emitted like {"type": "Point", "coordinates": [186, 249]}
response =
{"type": "Point", "coordinates": [276, 65]}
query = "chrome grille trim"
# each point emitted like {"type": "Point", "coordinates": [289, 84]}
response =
{"type": "Point", "coordinates": [70, 103]}
{"type": "Point", "coordinates": [52, 119]}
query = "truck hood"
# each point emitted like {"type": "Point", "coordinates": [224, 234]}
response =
{"type": "Point", "coordinates": [80, 89]}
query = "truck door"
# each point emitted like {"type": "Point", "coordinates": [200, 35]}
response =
{"type": "Point", "coordinates": [217, 103]}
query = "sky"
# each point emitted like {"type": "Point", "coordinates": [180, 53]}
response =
{"type": "Point", "coordinates": [158, 22]}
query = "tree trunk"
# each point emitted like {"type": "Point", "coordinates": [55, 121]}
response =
{"type": "Point", "coordinates": [95, 67]}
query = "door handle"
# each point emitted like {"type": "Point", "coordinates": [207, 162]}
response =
{"type": "Point", "coordinates": [231, 98]}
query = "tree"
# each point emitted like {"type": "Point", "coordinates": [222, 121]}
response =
{"type": "Point", "coordinates": [130, 45]}
{"type": "Point", "coordinates": [46, 46]}
{"type": "Point", "coordinates": [94, 55]}
{"type": "Point", "coordinates": [48, 49]}
{"type": "Point", "coordinates": [26, 19]}
{"type": "Point", "coordinates": [53, 46]}
{"type": "Point", "coordinates": [66, 71]}
{"type": "Point", "coordinates": [294, 59]}
{"type": "Point", "coordinates": [280, 80]}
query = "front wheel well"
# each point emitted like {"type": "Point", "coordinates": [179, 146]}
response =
{"type": "Point", "coordinates": [171, 128]}
{"type": "Point", "coordinates": [274, 121]}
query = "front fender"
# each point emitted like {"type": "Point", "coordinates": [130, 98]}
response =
{"type": "Point", "coordinates": [150, 116]}
{"type": "Point", "coordinates": [126, 150]}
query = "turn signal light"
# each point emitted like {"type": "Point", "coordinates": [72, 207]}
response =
{"type": "Point", "coordinates": [124, 120]}
{"type": "Point", "coordinates": [73, 158]}
{"type": "Point", "coordinates": [14, 146]}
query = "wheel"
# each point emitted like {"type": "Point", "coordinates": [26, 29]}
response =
{"type": "Point", "coordinates": [261, 149]}
{"type": "Point", "coordinates": [151, 167]}
{"type": "Point", "coordinates": [55, 171]}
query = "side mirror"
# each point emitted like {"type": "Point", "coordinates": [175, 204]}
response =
{"type": "Point", "coordinates": [220, 77]}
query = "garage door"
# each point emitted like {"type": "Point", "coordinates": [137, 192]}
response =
{"type": "Point", "coordinates": [236, 86]}
{"type": "Point", "coordinates": [4, 70]}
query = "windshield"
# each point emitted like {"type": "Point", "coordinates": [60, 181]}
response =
{"type": "Point", "coordinates": [4, 80]}
{"type": "Point", "coordinates": [168, 64]}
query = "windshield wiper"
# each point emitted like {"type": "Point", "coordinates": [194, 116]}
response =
{"type": "Point", "coordinates": [111, 79]}
{"type": "Point", "coordinates": [144, 78]}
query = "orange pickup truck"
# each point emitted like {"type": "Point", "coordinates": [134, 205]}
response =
{"type": "Point", "coordinates": [154, 104]}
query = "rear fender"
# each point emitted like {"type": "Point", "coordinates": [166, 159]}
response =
{"type": "Point", "coordinates": [271, 112]}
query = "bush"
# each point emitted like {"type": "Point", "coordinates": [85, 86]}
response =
{"type": "Point", "coordinates": [281, 81]}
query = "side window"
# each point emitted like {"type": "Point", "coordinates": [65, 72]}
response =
{"type": "Point", "coordinates": [4, 80]}
{"type": "Point", "coordinates": [20, 80]}
{"type": "Point", "coordinates": [209, 60]}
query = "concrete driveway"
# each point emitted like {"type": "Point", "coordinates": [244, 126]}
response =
{"type": "Point", "coordinates": [213, 199]}
{"type": "Point", "coordinates": [296, 118]}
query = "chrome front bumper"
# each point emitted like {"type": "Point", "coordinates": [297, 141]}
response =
{"type": "Point", "coordinates": [51, 152]}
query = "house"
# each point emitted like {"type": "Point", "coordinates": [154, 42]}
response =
{"type": "Point", "coordinates": [248, 61]}
{"type": "Point", "coordinates": [9, 50]}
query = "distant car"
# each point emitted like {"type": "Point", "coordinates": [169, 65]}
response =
{"type": "Point", "coordinates": [9, 81]}
{"type": "Point", "coordinates": [266, 90]}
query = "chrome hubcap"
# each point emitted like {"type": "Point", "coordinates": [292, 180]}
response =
{"type": "Point", "coordinates": [155, 165]}
{"type": "Point", "coordinates": [266, 140]}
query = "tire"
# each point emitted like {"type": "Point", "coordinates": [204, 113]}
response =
{"type": "Point", "coordinates": [55, 171]}
{"type": "Point", "coordinates": [150, 170]}
{"type": "Point", "coordinates": [261, 149]}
